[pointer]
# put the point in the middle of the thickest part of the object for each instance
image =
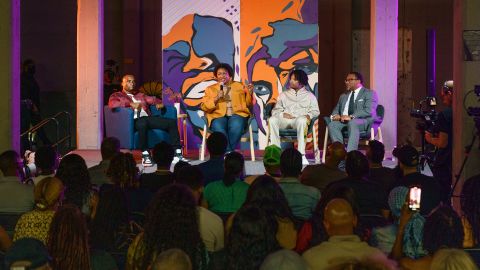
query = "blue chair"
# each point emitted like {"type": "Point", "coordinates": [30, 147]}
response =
{"type": "Point", "coordinates": [290, 134]}
{"type": "Point", "coordinates": [369, 133]}
{"type": "Point", "coordinates": [119, 123]}
{"type": "Point", "coordinates": [247, 136]}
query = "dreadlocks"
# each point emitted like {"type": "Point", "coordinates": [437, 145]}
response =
{"type": "Point", "coordinates": [123, 171]}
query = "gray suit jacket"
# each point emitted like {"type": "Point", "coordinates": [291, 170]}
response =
{"type": "Point", "coordinates": [365, 104]}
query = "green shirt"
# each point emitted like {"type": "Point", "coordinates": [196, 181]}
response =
{"type": "Point", "coordinates": [223, 199]}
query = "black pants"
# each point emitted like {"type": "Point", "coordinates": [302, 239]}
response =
{"type": "Point", "coordinates": [145, 123]}
{"type": "Point", "coordinates": [443, 176]}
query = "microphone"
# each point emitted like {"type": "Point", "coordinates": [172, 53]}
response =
{"type": "Point", "coordinates": [221, 86]}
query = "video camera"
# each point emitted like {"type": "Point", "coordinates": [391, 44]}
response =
{"type": "Point", "coordinates": [426, 114]}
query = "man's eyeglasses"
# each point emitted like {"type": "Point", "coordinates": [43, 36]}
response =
{"type": "Point", "coordinates": [348, 80]}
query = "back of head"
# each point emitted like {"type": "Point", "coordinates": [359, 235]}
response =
{"type": "Point", "coordinates": [46, 158]}
{"type": "Point", "coordinates": [266, 193]}
{"type": "Point", "coordinates": [191, 176]}
{"type": "Point", "coordinates": [217, 144]}
{"type": "Point", "coordinates": [48, 192]}
{"type": "Point", "coordinates": [442, 229]}
{"type": "Point", "coordinates": [291, 163]}
{"type": "Point", "coordinates": [375, 151]}
{"type": "Point", "coordinates": [452, 259]}
{"type": "Point", "coordinates": [110, 146]}
{"type": "Point", "coordinates": [123, 170]}
{"type": "Point", "coordinates": [28, 252]}
{"type": "Point", "coordinates": [356, 164]}
{"type": "Point", "coordinates": [8, 162]}
{"type": "Point", "coordinates": [407, 156]}
{"type": "Point", "coordinates": [163, 154]}
{"type": "Point", "coordinates": [337, 151]}
{"type": "Point", "coordinates": [470, 202]}
{"type": "Point", "coordinates": [172, 259]}
{"type": "Point", "coordinates": [234, 164]}
{"type": "Point", "coordinates": [284, 260]}
{"type": "Point", "coordinates": [178, 167]}
{"type": "Point", "coordinates": [339, 218]}
{"type": "Point", "coordinates": [396, 200]}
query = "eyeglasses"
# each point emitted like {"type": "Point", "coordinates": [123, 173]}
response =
{"type": "Point", "coordinates": [348, 80]}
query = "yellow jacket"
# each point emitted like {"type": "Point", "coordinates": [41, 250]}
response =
{"type": "Point", "coordinates": [240, 98]}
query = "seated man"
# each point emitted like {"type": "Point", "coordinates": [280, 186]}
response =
{"type": "Point", "coordinates": [140, 102]}
{"type": "Point", "coordinates": [213, 169]}
{"type": "Point", "coordinates": [294, 109]}
{"type": "Point", "coordinates": [355, 111]}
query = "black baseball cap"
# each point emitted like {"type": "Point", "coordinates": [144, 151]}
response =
{"type": "Point", "coordinates": [407, 155]}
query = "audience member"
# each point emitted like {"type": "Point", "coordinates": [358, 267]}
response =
{"type": "Point", "coordinates": [210, 224]}
{"type": "Point", "coordinates": [370, 197]}
{"type": "Point", "coordinates": [313, 230]}
{"type": "Point", "coordinates": [78, 190]}
{"type": "Point", "coordinates": [213, 168]}
{"type": "Point", "coordinates": [98, 173]}
{"type": "Point", "coordinates": [46, 162]}
{"type": "Point", "coordinates": [284, 260]}
{"type": "Point", "coordinates": [171, 222]}
{"type": "Point", "coordinates": [172, 259]}
{"type": "Point", "coordinates": [384, 237]}
{"type": "Point", "coordinates": [302, 199]}
{"type": "Point", "coordinates": [383, 176]}
{"type": "Point", "coordinates": [266, 194]}
{"type": "Point", "coordinates": [271, 163]}
{"type": "Point", "coordinates": [227, 195]}
{"type": "Point", "coordinates": [178, 167]}
{"type": "Point", "coordinates": [470, 203]}
{"type": "Point", "coordinates": [442, 229]}
{"type": "Point", "coordinates": [320, 175]}
{"type": "Point", "coordinates": [251, 238]}
{"type": "Point", "coordinates": [408, 159]}
{"type": "Point", "coordinates": [339, 222]}
{"type": "Point", "coordinates": [28, 253]}
{"type": "Point", "coordinates": [163, 154]}
{"type": "Point", "coordinates": [367, 263]}
{"type": "Point", "coordinates": [295, 108]}
{"type": "Point", "coordinates": [48, 195]}
{"type": "Point", "coordinates": [452, 259]}
{"type": "Point", "coordinates": [15, 197]}
{"type": "Point", "coordinates": [5, 241]}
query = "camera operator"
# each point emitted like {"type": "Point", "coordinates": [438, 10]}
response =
{"type": "Point", "coordinates": [442, 140]}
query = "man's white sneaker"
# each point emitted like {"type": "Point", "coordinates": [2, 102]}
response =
{"type": "Point", "coordinates": [304, 160]}
{"type": "Point", "coordinates": [147, 161]}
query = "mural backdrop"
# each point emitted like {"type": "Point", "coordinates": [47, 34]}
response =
{"type": "Point", "coordinates": [263, 40]}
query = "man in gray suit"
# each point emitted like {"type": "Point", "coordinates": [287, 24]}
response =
{"type": "Point", "coordinates": [355, 111]}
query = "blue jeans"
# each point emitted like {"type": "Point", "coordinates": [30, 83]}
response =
{"type": "Point", "coordinates": [232, 127]}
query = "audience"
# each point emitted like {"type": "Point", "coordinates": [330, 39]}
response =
{"type": "Point", "coordinates": [339, 221]}
{"type": "Point", "coordinates": [163, 154]}
{"type": "Point", "coordinates": [302, 199]}
{"type": "Point", "coordinates": [10, 184]}
{"type": "Point", "coordinates": [171, 222]}
{"type": "Point", "coordinates": [28, 253]}
{"type": "Point", "coordinates": [383, 176]}
{"type": "Point", "coordinates": [210, 224]}
{"type": "Point", "coordinates": [251, 238]}
{"type": "Point", "coordinates": [5, 241]}
{"type": "Point", "coordinates": [46, 162]}
{"type": "Point", "coordinates": [213, 168]}
{"type": "Point", "coordinates": [452, 259]}
{"type": "Point", "coordinates": [320, 175]}
{"type": "Point", "coordinates": [470, 203]}
{"type": "Point", "coordinates": [98, 173]}
{"type": "Point", "coordinates": [48, 195]}
{"type": "Point", "coordinates": [172, 259]}
{"type": "Point", "coordinates": [284, 260]}
{"type": "Point", "coordinates": [271, 163]}
{"type": "Point", "coordinates": [227, 196]}
{"type": "Point", "coordinates": [73, 173]}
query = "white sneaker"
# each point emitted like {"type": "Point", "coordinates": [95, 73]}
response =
{"type": "Point", "coordinates": [304, 160]}
{"type": "Point", "coordinates": [147, 161]}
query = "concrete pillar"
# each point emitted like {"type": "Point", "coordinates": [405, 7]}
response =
{"type": "Point", "coordinates": [383, 63]}
{"type": "Point", "coordinates": [89, 74]}
{"type": "Point", "coordinates": [10, 75]}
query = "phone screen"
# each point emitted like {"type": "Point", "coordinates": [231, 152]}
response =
{"type": "Point", "coordinates": [414, 198]}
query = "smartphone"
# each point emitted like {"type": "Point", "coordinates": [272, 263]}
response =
{"type": "Point", "coordinates": [415, 195]}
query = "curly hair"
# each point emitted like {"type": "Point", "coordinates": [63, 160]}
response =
{"type": "Point", "coordinates": [123, 171]}
{"type": "Point", "coordinates": [234, 164]}
{"type": "Point", "coordinates": [67, 240]}
{"type": "Point", "coordinates": [224, 66]}
{"type": "Point", "coordinates": [111, 215]}
{"type": "Point", "coordinates": [356, 164]}
{"type": "Point", "coordinates": [266, 194]}
{"type": "Point", "coordinates": [470, 202]}
{"type": "Point", "coordinates": [171, 222]}
{"type": "Point", "coordinates": [74, 174]}
{"type": "Point", "coordinates": [442, 229]}
{"type": "Point", "coordinates": [300, 75]}
{"type": "Point", "coordinates": [251, 238]}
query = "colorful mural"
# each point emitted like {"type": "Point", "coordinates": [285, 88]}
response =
{"type": "Point", "coordinates": [270, 42]}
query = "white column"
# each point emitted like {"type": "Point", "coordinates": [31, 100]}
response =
{"type": "Point", "coordinates": [10, 75]}
{"type": "Point", "coordinates": [89, 74]}
{"type": "Point", "coordinates": [383, 63]}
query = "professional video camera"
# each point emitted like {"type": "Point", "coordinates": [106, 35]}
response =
{"type": "Point", "coordinates": [426, 114]}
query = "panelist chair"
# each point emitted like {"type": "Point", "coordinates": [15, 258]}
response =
{"type": "Point", "coordinates": [246, 137]}
{"type": "Point", "coordinates": [290, 134]}
{"type": "Point", "coordinates": [372, 131]}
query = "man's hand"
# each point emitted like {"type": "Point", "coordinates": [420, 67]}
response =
{"type": "Point", "coordinates": [405, 215]}
{"type": "Point", "coordinates": [287, 116]}
{"type": "Point", "coordinates": [135, 105]}
{"type": "Point", "coordinates": [345, 118]}
{"type": "Point", "coordinates": [159, 105]}
{"type": "Point", "coordinates": [428, 136]}
{"type": "Point", "coordinates": [336, 117]}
